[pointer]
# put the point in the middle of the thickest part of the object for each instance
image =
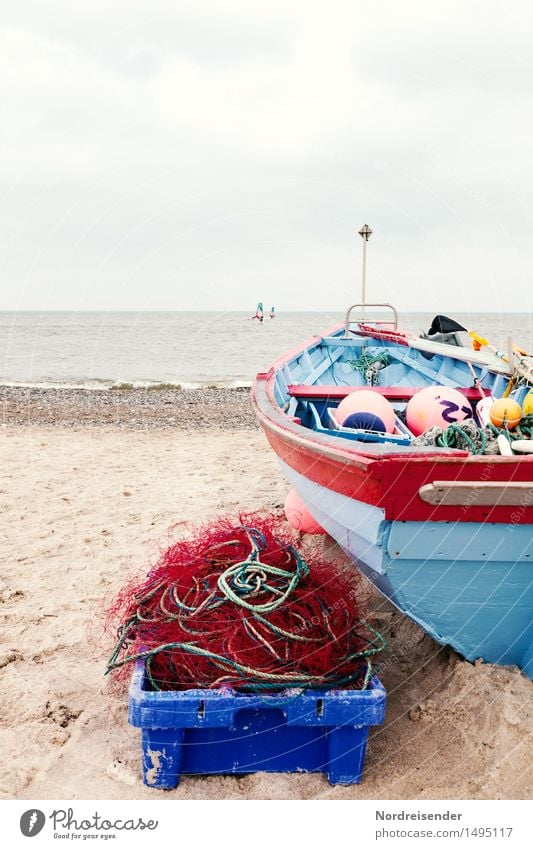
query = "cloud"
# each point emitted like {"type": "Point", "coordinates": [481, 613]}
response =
{"type": "Point", "coordinates": [233, 141]}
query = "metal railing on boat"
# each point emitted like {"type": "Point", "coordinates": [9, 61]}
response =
{"type": "Point", "coordinates": [364, 318]}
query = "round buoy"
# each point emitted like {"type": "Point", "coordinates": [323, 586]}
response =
{"type": "Point", "coordinates": [299, 517]}
{"type": "Point", "coordinates": [366, 409]}
{"type": "Point", "coordinates": [505, 413]}
{"type": "Point", "coordinates": [527, 406]}
{"type": "Point", "coordinates": [365, 421]}
{"type": "Point", "coordinates": [483, 410]}
{"type": "Point", "coordinates": [436, 406]}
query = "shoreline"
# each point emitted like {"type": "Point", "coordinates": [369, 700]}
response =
{"type": "Point", "coordinates": [135, 408]}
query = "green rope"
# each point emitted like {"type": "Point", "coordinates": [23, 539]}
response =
{"type": "Point", "coordinates": [523, 430]}
{"type": "Point", "coordinates": [368, 365]}
{"type": "Point", "coordinates": [269, 680]}
{"type": "Point", "coordinates": [235, 582]}
{"type": "Point", "coordinates": [454, 434]}
{"type": "Point", "coordinates": [476, 439]}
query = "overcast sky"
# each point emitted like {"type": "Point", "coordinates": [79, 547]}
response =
{"type": "Point", "coordinates": [176, 155]}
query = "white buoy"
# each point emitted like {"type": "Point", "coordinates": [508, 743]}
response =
{"type": "Point", "coordinates": [523, 446]}
{"type": "Point", "coordinates": [505, 446]}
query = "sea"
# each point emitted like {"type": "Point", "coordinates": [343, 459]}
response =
{"type": "Point", "coordinates": [100, 350]}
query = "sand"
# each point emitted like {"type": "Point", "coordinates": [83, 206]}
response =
{"type": "Point", "coordinates": [85, 508]}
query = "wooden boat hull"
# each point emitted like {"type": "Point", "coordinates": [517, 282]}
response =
{"type": "Point", "coordinates": [445, 535]}
{"type": "Point", "coordinates": [467, 584]}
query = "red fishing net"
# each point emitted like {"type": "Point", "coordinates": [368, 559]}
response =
{"type": "Point", "coordinates": [236, 605]}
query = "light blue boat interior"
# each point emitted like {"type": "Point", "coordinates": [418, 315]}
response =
{"type": "Point", "coordinates": [467, 584]}
{"type": "Point", "coordinates": [330, 362]}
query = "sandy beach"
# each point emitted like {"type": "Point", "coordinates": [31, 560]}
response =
{"type": "Point", "coordinates": [93, 485]}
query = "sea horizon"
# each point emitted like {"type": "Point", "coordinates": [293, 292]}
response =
{"type": "Point", "coordinates": [101, 349]}
{"type": "Point", "coordinates": [244, 312]}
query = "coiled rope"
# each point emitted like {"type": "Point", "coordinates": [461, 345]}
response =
{"type": "Point", "coordinates": [477, 440]}
{"type": "Point", "coordinates": [258, 623]}
{"type": "Point", "coordinates": [369, 365]}
{"type": "Point", "coordinates": [470, 438]}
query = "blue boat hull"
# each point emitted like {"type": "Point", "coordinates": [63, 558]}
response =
{"type": "Point", "coordinates": [468, 584]}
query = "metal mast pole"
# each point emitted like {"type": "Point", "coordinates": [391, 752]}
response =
{"type": "Point", "coordinates": [365, 232]}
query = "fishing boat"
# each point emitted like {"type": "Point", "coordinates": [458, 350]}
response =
{"type": "Point", "coordinates": [443, 532]}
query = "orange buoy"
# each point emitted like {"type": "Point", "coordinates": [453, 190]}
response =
{"type": "Point", "coordinates": [505, 413]}
{"type": "Point", "coordinates": [299, 517]}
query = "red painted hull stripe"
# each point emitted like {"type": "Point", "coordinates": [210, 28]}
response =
{"type": "Point", "coordinates": [391, 482]}
{"type": "Point", "coordinates": [394, 393]}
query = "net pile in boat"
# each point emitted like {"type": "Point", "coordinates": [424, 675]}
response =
{"type": "Point", "coordinates": [469, 436]}
{"type": "Point", "coordinates": [238, 606]}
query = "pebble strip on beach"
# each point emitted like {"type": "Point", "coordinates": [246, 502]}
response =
{"type": "Point", "coordinates": [133, 409]}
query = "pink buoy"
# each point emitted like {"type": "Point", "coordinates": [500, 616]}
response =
{"type": "Point", "coordinates": [366, 409]}
{"type": "Point", "coordinates": [436, 406]}
{"type": "Point", "coordinates": [299, 517]}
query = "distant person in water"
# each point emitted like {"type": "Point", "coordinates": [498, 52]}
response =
{"type": "Point", "coordinates": [272, 313]}
{"type": "Point", "coordinates": [258, 313]}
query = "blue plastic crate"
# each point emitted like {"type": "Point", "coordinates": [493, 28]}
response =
{"type": "Point", "coordinates": [223, 732]}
